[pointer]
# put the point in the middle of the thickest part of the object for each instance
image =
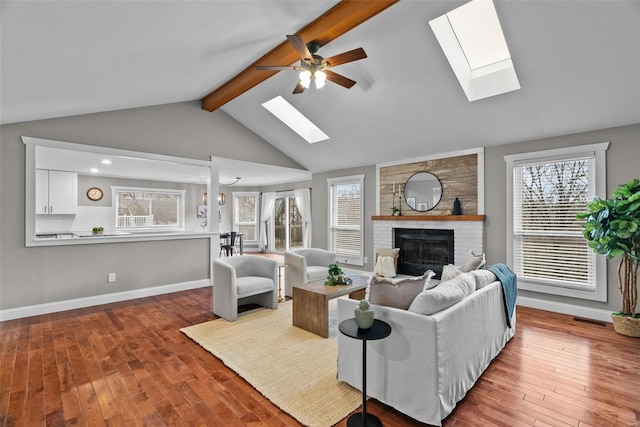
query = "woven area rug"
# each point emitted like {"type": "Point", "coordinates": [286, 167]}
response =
{"type": "Point", "coordinates": [293, 368]}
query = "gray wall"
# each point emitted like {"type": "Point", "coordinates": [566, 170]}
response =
{"type": "Point", "coordinates": [46, 274]}
{"type": "Point", "coordinates": [320, 209]}
{"type": "Point", "coordinates": [623, 164]}
{"type": "Point", "coordinates": [39, 275]}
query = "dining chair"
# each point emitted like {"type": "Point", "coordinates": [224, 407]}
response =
{"type": "Point", "coordinates": [229, 243]}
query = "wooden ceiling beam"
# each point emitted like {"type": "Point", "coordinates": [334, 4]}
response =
{"type": "Point", "coordinates": [338, 20]}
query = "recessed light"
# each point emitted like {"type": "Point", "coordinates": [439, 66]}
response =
{"type": "Point", "coordinates": [293, 118]}
{"type": "Point", "coordinates": [94, 170]}
{"type": "Point", "coordinates": [106, 162]}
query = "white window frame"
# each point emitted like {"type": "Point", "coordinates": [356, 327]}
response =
{"type": "Point", "coordinates": [358, 260]}
{"type": "Point", "coordinates": [598, 151]}
{"type": "Point", "coordinates": [286, 195]}
{"type": "Point", "coordinates": [255, 222]}
{"type": "Point", "coordinates": [181, 208]}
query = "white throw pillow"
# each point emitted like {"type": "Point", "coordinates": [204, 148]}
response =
{"type": "Point", "coordinates": [450, 271]}
{"type": "Point", "coordinates": [388, 252]}
{"type": "Point", "coordinates": [444, 295]}
{"type": "Point", "coordinates": [483, 277]}
{"type": "Point", "coordinates": [473, 262]}
{"type": "Point", "coordinates": [398, 293]}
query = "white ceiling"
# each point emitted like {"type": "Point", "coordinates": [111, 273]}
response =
{"type": "Point", "coordinates": [578, 63]}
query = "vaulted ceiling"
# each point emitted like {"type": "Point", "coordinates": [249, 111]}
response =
{"type": "Point", "coordinates": [578, 63]}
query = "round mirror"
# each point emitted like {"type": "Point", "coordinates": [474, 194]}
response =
{"type": "Point", "coordinates": [422, 191]}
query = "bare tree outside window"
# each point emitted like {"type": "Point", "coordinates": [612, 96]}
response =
{"type": "Point", "coordinates": [552, 193]}
{"type": "Point", "coordinates": [288, 224]}
{"type": "Point", "coordinates": [142, 209]}
{"type": "Point", "coordinates": [246, 215]}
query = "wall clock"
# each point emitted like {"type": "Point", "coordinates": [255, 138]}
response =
{"type": "Point", "coordinates": [94, 193]}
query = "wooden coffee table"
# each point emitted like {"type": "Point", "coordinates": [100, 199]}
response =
{"type": "Point", "coordinates": [311, 302]}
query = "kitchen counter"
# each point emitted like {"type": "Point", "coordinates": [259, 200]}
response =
{"type": "Point", "coordinates": [56, 238]}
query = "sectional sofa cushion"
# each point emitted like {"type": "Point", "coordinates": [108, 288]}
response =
{"type": "Point", "coordinates": [483, 278]}
{"type": "Point", "coordinates": [398, 293]}
{"type": "Point", "coordinates": [450, 271]}
{"type": "Point", "coordinates": [473, 262]}
{"type": "Point", "coordinates": [444, 295]}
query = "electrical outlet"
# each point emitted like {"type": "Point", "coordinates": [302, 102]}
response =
{"type": "Point", "coordinates": [111, 278]}
{"type": "Point", "coordinates": [366, 260]}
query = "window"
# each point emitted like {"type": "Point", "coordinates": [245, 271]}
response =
{"type": "Point", "coordinates": [245, 215]}
{"type": "Point", "coordinates": [287, 224]}
{"type": "Point", "coordinates": [346, 218]}
{"type": "Point", "coordinates": [148, 208]}
{"type": "Point", "coordinates": [545, 246]}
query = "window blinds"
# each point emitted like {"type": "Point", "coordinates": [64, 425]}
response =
{"type": "Point", "coordinates": [548, 243]}
{"type": "Point", "coordinates": [345, 229]}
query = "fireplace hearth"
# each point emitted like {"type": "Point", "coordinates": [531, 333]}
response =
{"type": "Point", "coordinates": [423, 249]}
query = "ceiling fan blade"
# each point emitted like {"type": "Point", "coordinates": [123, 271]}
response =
{"type": "Point", "coordinates": [300, 47]}
{"type": "Point", "coordinates": [276, 68]}
{"type": "Point", "coordinates": [343, 58]}
{"type": "Point", "coordinates": [339, 79]}
{"type": "Point", "coordinates": [298, 89]}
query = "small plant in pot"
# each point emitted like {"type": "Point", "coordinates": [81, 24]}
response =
{"type": "Point", "coordinates": [336, 276]}
{"type": "Point", "coordinates": [97, 230]}
{"type": "Point", "coordinates": [613, 230]}
{"type": "Point", "coordinates": [395, 211]}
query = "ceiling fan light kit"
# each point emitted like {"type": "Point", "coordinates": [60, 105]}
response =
{"type": "Point", "coordinates": [314, 67]}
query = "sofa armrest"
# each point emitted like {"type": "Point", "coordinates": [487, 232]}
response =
{"type": "Point", "coordinates": [471, 334]}
{"type": "Point", "coordinates": [295, 272]}
{"type": "Point", "coordinates": [225, 290]}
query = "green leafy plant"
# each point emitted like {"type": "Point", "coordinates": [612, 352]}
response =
{"type": "Point", "coordinates": [613, 230]}
{"type": "Point", "coordinates": [394, 210]}
{"type": "Point", "coordinates": [336, 276]}
{"type": "Point", "coordinates": [97, 229]}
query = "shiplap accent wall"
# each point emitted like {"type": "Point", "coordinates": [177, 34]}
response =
{"type": "Point", "coordinates": [458, 176]}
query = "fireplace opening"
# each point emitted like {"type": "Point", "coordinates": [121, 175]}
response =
{"type": "Point", "coordinates": [423, 249]}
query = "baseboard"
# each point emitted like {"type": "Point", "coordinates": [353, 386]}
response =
{"type": "Point", "coordinates": [54, 307]}
{"type": "Point", "coordinates": [563, 308]}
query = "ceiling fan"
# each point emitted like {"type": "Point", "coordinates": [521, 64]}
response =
{"type": "Point", "coordinates": [315, 67]}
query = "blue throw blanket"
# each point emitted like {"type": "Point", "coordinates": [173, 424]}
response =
{"type": "Point", "coordinates": [509, 288]}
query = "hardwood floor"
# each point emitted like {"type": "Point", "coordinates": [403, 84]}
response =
{"type": "Point", "coordinates": [128, 364]}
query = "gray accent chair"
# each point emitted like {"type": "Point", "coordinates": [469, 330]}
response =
{"type": "Point", "coordinates": [244, 279]}
{"type": "Point", "coordinates": [305, 265]}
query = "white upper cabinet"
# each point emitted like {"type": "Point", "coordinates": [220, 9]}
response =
{"type": "Point", "coordinates": [56, 192]}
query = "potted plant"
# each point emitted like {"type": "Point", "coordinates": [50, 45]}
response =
{"type": "Point", "coordinates": [613, 230]}
{"type": "Point", "coordinates": [97, 230]}
{"type": "Point", "coordinates": [336, 276]}
{"type": "Point", "coordinates": [395, 211]}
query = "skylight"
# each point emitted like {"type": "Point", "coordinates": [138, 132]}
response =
{"type": "Point", "coordinates": [293, 118]}
{"type": "Point", "coordinates": [472, 40]}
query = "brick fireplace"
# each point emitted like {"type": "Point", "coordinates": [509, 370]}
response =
{"type": "Point", "coordinates": [468, 231]}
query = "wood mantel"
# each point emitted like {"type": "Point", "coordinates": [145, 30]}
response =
{"type": "Point", "coordinates": [429, 218]}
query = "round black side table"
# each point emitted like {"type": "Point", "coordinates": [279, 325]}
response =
{"type": "Point", "coordinates": [377, 331]}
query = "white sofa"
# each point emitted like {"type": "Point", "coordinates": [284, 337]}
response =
{"type": "Point", "coordinates": [429, 362]}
